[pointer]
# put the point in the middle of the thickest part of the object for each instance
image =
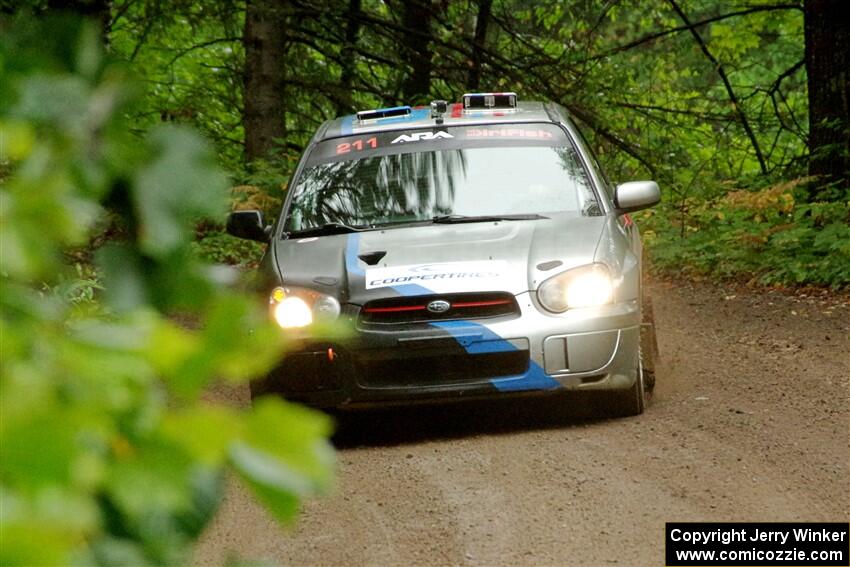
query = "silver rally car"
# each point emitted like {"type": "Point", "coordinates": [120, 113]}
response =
{"type": "Point", "coordinates": [475, 248]}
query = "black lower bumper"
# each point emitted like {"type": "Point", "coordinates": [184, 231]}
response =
{"type": "Point", "coordinates": [327, 375]}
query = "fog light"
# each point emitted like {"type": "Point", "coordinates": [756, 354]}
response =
{"type": "Point", "coordinates": [326, 308]}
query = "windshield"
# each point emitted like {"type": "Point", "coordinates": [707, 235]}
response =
{"type": "Point", "coordinates": [512, 174]}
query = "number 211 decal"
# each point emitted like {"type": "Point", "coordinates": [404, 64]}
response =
{"type": "Point", "coordinates": [356, 145]}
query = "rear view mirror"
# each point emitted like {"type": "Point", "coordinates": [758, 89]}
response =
{"type": "Point", "coordinates": [248, 225]}
{"type": "Point", "coordinates": [636, 195]}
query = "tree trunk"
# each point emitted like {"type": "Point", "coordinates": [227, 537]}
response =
{"type": "Point", "coordinates": [827, 31]}
{"type": "Point", "coordinates": [95, 10]}
{"type": "Point", "coordinates": [264, 79]}
{"type": "Point", "coordinates": [344, 103]}
{"type": "Point", "coordinates": [416, 53]}
{"type": "Point", "coordinates": [474, 79]}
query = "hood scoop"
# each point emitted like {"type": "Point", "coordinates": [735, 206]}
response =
{"type": "Point", "coordinates": [546, 266]}
{"type": "Point", "coordinates": [372, 258]}
{"type": "Point", "coordinates": [326, 281]}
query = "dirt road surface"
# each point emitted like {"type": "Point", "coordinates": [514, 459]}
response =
{"type": "Point", "coordinates": [750, 422]}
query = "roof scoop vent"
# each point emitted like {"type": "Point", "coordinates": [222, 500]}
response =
{"type": "Point", "coordinates": [546, 266]}
{"type": "Point", "coordinates": [393, 112]}
{"type": "Point", "coordinates": [372, 258]}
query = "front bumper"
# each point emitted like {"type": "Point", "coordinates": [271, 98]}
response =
{"type": "Point", "coordinates": [590, 348]}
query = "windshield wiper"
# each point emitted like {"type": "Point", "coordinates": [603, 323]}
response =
{"type": "Point", "coordinates": [328, 228]}
{"type": "Point", "coordinates": [452, 219]}
{"type": "Point", "coordinates": [390, 224]}
{"type": "Point", "coordinates": [339, 228]}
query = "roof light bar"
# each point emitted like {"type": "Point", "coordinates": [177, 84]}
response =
{"type": "Point", "coordinates": [383, 113]}
{"type": "Point", "coordinates": [488, 101]}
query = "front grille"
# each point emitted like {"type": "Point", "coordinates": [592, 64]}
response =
{"type": "Point", "coordinates": [439, 368]}
{"type": "Point", "coordinates": [461, 306]}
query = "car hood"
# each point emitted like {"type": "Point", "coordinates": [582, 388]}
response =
{"type": "Point", "coordinates": [511, 256]}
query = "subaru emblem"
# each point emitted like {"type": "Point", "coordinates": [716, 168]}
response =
{"type": "Point", "coordinates": [439, 306]}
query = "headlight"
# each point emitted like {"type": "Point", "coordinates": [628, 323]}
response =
{"type": "Point", "coordinates": [580, 287]}
{"type": "Point", "coordinates": [295, 307]}
{"type": "Point", "coordinates": [293, 312]}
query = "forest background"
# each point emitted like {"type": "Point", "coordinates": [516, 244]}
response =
{"type": "Point", "coordinates": [731, 106]}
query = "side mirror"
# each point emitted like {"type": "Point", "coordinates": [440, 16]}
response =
{"type": "Point", "coordinates": [636, 195]}
{"type": "Point", "coordinates": [248, 225]}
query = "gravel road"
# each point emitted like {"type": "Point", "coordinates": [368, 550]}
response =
{"type": "Point", "coordinates": [750, 421]}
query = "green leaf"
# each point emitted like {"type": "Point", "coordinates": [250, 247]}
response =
{"type": "Point", "coordinates": [285, 455]}
{"type": "Point", "coordinates": [124, 280]}
{"type": "Point", "coordinates": [151, 478]}
{"type": "Point", "coordinates": [177, 187]}
{"type": "Point", "coordinates": [206, 432]}
{"type": "Point", "coordinates": [38, 452]}
{"type": "Point", "coordinates": [277, 486]}
{"type": "Point", "coordinates": [17, 139]}
{"type": "Point", "coordinates": [113, 551]}
{"type": "Point", "coordinates": [43, 529]}
{"type": "Point", "coordinates": [294, 433]}
{"type": "Point", "coordinates": [207, 493]}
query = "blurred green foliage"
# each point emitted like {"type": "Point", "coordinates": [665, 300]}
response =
{"type": "Point", "coordinates": [107, 453]}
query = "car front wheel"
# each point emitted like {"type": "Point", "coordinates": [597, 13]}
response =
{"type": "Point", "coordinates": [631, 401]}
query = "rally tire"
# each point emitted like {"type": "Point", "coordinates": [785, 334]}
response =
{"type": "Point", "coordinates": [632, 401]}
{"type": "Point", "coordinates": [648, 342]}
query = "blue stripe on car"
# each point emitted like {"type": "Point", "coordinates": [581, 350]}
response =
{"type": "Point", "coordinates": [352, 249]}
{"type": "Point", "coordinates": [474, 337]}
{"type": "Point", "coordinates": [532, 379]}
{"type": "Point", "coordinates": [347, 125]}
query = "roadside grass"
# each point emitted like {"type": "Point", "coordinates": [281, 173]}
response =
{"type": "Point", "coordinates": [763, 237]}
